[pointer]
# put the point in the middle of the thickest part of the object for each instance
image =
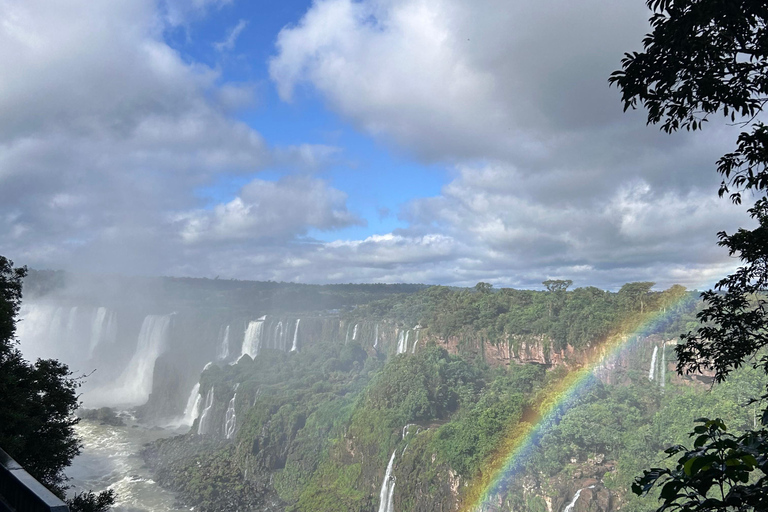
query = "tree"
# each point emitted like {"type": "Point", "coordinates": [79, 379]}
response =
{"type": "Point", "coordinates": [634, 295]}
{"type": "Point", "coordinates": [707, 57]}
{"type": "Point", "coordinates": [38, 404]}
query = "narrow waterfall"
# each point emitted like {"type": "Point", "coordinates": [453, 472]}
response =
{"type": "Point", "coordinates": [252, 338]}
{"type": "Point", "coordinates": [72, 319]}
{"type": "Point", "coordinates": [223, 351]}
{"type": "Point", "coordinates": [387, 487]}
{"type": "Point", "coordinates": [401, 343]}
{"type": "Point", "coordinates": [204, 426]}
{"type": "Point", "coordinates": [376, 336]}
{"type": "Point", "coordinates": [279, 337]}
{"type": "Point", "coordinates": [407, 336]}
{"type": "Point", "coordinates": [663, 368]}
{"type": "Point", "coordinates": [295, 347]}
{"type": "Point", "coordinates": [569, 507]}
{"type": "Point", "coordinates": [416, 342]}
{"type": "Point", "coordinates": [652, 371]}
{"type": "Point", "coordinates": [135, 384]}
{"type": "Point", "coordinates": [230, 419]}
{"type": "Point", "coordinates": [112, 327]}
{"type": "Point", "coordinates": [193, 406]}
{"type": "Point", "coordinates": [354, 332]}
{"type": "Point", "coordinates": [572, 504]}
{"type": "Point", "coordinates": [97, 328]}
{"type": "Point", "coordinates": [346, 340]}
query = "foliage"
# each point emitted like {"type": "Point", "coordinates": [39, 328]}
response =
{"type": "Point", "coordinates": [706, 57]}
{"type": "Point", "coordinates": [39, 400]}
{"type": "Point", "coordinates": [508, 316]}
{"type": "Point", "coordinates": [715, 474]}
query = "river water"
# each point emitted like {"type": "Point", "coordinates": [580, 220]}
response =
{"type": "Point", "coordinates": [110, 460]}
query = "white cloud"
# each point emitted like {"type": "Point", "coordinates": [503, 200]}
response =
{"type": "Point", "coordinates": [228, 44]}
{"type": "Point", "coordinates": [265, 210]}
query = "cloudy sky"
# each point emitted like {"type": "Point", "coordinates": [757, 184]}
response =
{"type": "Point", "coordinates": [433, 141]}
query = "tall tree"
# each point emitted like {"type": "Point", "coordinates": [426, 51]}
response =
{"type": "Point", "coordinates": [38, 404]}
{"type": "Point", "coordinates": [704, 58]}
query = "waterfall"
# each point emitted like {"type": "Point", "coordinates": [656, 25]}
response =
{"type": "Point", "coordinates": [652, 371]}
{"type": "Point", "coordinates": [72, 319]}
{"type": "Point", "coordinates": [193, 406]}
{"type": "Point", "coordinates": [346, 340]}
{"type": "Point", "coordinates": [401, 343]}
{"type": "Point", "coordinates": [223, 351]}
{"type": "Point", "coordinates": [279, 338]}
{"type": "Point", "coordinates": [252, 338]}
{"type": "Point", "coordinates": [96, 329]}
{"type": "Point", "coordinates": [354, 332]}
{"type": "Point", "coordinates": [416, 342]}
{"type": "Point", "coordinates": [230, 419]}
{"type": "Point", "coordinates": [387, 488]}
{"type": "Point", "coordinates": [376, 336]}
{"type": "Point", "coordinates": [204, 426]}
{"type": "Point", "coordinates": [135, 384]}
{"type": "Point", "coordinates": [295, 347]}
{"type": "Point", "coordinates": [572, 504]}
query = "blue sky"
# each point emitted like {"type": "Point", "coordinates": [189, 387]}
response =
{"type": "Point", "coordinates": [434, 141]}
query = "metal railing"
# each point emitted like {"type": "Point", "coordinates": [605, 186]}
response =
{"type": "Point", "coordinates": [19, 492]}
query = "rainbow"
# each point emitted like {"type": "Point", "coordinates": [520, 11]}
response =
{"type": "Point", "coordinates": [522, 440]}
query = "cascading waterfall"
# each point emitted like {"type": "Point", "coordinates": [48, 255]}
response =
{"type": "Point", "coordinates": [72, 319]}
{"type": "Point", "coordinates": [230, 419]}
{"type": "Point", "coordinates": [135, 384]}
{"type": "Point", "coordinates": [354, 332]}
{"type": "Point", "coordinates": [65, 333]}
{"type": "Point", "coordinates": [346, 340]}
{"type": "Point", "coordinates": [387, 488]}
{"type": "Point", "coordinates": [96, 329]}
{"type": "Point", "coordinates": [193, 406]}
{"type": "Point", "coordinates": [416, 342]}
{"type": "Point", "coordinates": [223, 351]}
{"type": "Point", "coordinates": [652, 371]}
{"type": "Point", "coordinates": [401, 343]}
{"type": "Point", "coordinates": [252, 338]}
{"type": "Point", "coordinates": [295, 347]}
{"type": "Point", "coordinates": [279, 337]}
{"type": "Point", "coordinates": [572, 504]}
{"type": "Point", "coordinates": [376, 336]}
{"type": "Point", "coordinates": [204, 426]}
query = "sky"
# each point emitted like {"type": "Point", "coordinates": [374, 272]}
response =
{"type": "Point", "coordinates": [430, 141]}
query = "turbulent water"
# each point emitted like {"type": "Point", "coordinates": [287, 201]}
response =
{"type": "Point", "coordinates": [110, 460]}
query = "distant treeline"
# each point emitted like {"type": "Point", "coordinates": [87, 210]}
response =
{"type": "Point", "coordinates": [575, 318]}
{"type": "Point", "coordinates": [225, 294]}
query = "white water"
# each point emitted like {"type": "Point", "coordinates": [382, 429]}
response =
{"type": "Point", "coordinates": [376, 336]}
{"type": "Point", "coordinates": [223, 351]}
{"type": "Point", "coordinates": [193, 406]}
{"type": "Point", "coordinates": [387, 488]}
{"type": "Point", "coordinates": [401, 347]}
{"type": "Point", "coordinates": [252, 338]}
{"type": "Point", "coordinates": [295, 347]}
{"type": "Point", "coordinates": [416, 342]}
{"type": "Point", "coordinates": [230, 419]}
{"type": "Point", "coordinates": [135, 383]}
{"type": "Point", "coordinates": [652, 371]}
{"type": "Point", "coordinates": [354, 332]}
{"type": "Point", "coordinates": [204, 425]}
{"type": "Point", "coordinates": [110, 460]}
{"type": "Point", "coordinates": [96, 328]}
{"type": "Point", "coordinates": [572, 504]}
